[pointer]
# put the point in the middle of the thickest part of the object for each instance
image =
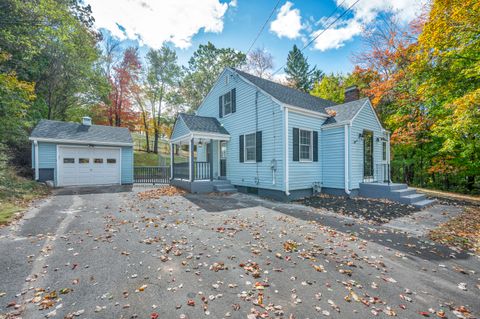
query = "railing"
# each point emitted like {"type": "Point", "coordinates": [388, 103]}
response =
{"type": "Point", "coordinates": [151, 174]}
{"type": "Point", "coordinates": [202, 170]}
{"type": "Point", "coordinates": [382, 173]}
{"type": "Point", "coordinates": [181, 170]}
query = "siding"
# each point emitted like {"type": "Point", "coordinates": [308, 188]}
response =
{"type": "Point", "coordinates": [180, 129]}
{"type": "Point", "coordinates": [127, 165]}
{"type": "Point", "coordinates": [243, 121]}
{"type": "Point", "coordinates": [333, 157]}
{"type": "Point", "coordinates": [365, 120]}
{"type": "Point", "coordinates": [303, 174]}
{"type": "Point", "coordinates": [47, 157]}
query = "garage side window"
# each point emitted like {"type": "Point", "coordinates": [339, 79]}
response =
{"type": "Point", "coordinates": [69, 161]}
{"type": "Point", "coordinates": [84, 160]}
{"type": "Point", "coordinates": [98, 160]}
{"type": "Point", "coordinates": [111, 160]}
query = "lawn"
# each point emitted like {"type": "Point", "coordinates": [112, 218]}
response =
{"type": "Point", "coordinates": [16, 193]}
{"type": "Point", "coordinates": [152, 159]}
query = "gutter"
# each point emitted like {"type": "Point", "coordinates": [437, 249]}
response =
{"type": "Point", "coordinates": [287, 191]}
{"type": "Point", "coordinates": [347, 146]}
{"type": "Point", "coordinates": [37, 169]}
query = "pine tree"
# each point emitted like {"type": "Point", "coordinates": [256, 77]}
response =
{"type": "Point", "coordinates": [299, 74]}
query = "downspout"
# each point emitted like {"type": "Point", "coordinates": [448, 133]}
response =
{"type": "Point", "coordinates": [37, 169]}
{"type": "Point", "coordinates": [287, 191]}
{"type": "Point", "coordinates": [347, 146]}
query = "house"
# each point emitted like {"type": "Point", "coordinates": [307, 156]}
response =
{"type": "Point", "coordinates": [257, 136]}
{"type": "Point", "coordinates": [81, 153]}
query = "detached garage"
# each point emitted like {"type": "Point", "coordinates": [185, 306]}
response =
{"type": "Point", "coordinates": [81, 154]}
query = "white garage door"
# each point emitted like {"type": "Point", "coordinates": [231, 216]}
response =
{"type": "Point", "coordinates": [88, 166]}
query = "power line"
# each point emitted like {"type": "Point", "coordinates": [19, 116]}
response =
{"type": "Point", "coordinates": [263, 27]}
{"type": "Point", "coordinates": [323, 31]}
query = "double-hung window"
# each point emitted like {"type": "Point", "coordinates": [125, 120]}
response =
{"type": "Point", "coordinates": [227, 103]}
{"type": "Point", "coordinates": [305, 143]}
{"type": "Point", "coordinates": [250, 148]}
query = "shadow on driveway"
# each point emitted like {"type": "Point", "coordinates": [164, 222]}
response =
{"type": "Point", "coordinates": [85, 190]}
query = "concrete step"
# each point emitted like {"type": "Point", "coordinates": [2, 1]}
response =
{"type": "Point", "coordinates": [411, 199]}
{"type": "Point", "coordinates": [380, 190]}
{"type": "Point", "coordinates": [220, 182]}
{"type": "Point", "coordinates": [424, 203]}
{"type": "Point", "coordinates": [402, 192]}
{"type": "Point", "coordinates": [225, 188]}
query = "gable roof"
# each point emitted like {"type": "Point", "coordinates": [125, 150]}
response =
{"type": "Point", "coordinates": [287, 94]}
{"type": "Point", "coordinates": [69, 131]}
{"type": "Point", "coordinates": [344, 112]}
{"type": "Point", "coordinates": [203, 124]}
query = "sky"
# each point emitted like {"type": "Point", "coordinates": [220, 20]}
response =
{"type": "Point", "coordinates": [185, 24]}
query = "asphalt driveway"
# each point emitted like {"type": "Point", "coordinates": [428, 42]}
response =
{"type": "Point", "coordinates": [90, 253]}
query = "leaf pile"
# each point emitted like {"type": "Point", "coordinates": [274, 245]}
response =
{"type": "Point", "coordinates": [160, 192]}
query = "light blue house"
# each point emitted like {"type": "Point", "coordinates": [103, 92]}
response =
{"type": "Point", "coordinates": [81, 154]}
{"type": "Point", "coordinates": [257, 136]}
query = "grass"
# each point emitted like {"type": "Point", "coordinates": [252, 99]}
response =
{"type": "Point", "coordinates": [16, 193]}
{"type": "Point", "coordinates": [462, 231]}
{"type": "Point", "coordinates": [151, 159]}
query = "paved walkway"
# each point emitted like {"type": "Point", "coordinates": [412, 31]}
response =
{"type": "Point", "coordinates": [85, 254]}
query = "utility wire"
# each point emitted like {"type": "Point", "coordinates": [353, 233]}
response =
{"type": "Point", "coordinates": [323, 31]}
{"type": "Point", "coordinates": [263, 27]}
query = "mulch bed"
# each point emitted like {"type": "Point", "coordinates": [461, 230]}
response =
{"type": "Point", "coordinates": [374, 210]}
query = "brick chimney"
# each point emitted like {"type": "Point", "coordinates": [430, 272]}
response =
{"type": "Point", "coordinates": [352, 93]}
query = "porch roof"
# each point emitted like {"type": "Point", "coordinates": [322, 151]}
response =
{"type": "Point", "coordinates": [199, 127]}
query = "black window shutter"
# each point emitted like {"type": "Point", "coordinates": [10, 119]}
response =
{"type": "Point", "coordinates": [234, 100]}
{"type": "Point", "coordinates": [220, 107]}
{"type": "Point", "coordinates": [315, 146]}
{"type": "Point", "coordinates": [296, 145]}
{"type": "Point", "coordinates": [258, 146]}
{"type": "Point", "coordinates": [241, 148]}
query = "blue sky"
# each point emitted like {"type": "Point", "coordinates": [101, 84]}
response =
{"type": "Point", "coordinates": [185, 24]}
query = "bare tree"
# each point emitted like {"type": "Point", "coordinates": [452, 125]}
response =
{"type": "Point", "coordinates": [260, 63]}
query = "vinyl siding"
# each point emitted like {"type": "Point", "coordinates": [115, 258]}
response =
{"type": "Point", "coordinates": [47, 157]}
{"type": "Point", "coordinates": [127, 165]}
{"type": "Point", "coordinates": [333, 157]}
{"type": "Point", "coordinates": [365, 120]}
{"type": "Point", "coordinates": [303, 174]}
{"type": "Point", "coordinates": [243, 121]}
{"type": "Point", "coordinates": [180, 129]}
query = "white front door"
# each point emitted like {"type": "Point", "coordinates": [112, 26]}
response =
{"type": "Point", "coordinates": [88, 165]}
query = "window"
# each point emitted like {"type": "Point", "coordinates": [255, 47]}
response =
{"type": "Point", "coordinates": [227, 79]}
{"type": "Point", "coordinates": [305, 144]}
{"type": "Point", "coordinates": [227, 104]}
{"type": "Point", "coordinates": [384, 150]}
{"type": "Point", "coordinates": [69, 161]}
{"type": "Point", "coordinates": [111, 160]}
{"type": "Point", "coordinates": [84, 160]}
{"type": "Point", "coordinates": [98, 160]}
{"type": "Point", "coordinates": [250, 147]}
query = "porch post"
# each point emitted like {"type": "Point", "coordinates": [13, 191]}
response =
{"type": "Point", "coordinates": [172, 159]}
{"type": "Point", "coordinates": [191, 161]}
{"type": "Point", "coordinates": [210, 158]}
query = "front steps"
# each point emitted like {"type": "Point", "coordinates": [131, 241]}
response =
{"type": "Point", "coordinates": [223, 186]}
{"type": "Point", "coordinates": [400, 193]}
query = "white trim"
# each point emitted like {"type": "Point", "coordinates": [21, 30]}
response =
{"type": "Point", "coordinates": [37, 164]}
{"type": "Point", "coordinates": [58, 171]}
{"type": "Point", "coordinates": [61, 141]}
{"type": "Point", "coordinates": [346, 138]}
{"type": "Point", "coordinates": [172, 159]}
{"type": "Point", "coordinates": [286, 142]}
{"type": "Point", "coordinates": [335, 125]}
{"type": "Point", "coordinates": [220, 159]}
{"type": "Point", "coordinates": [181, 138]}
{"type": "Point", "coordinates": [310, 160]}
{"type": "Point", "coordinates": [245, 148]}
{"type": "Point", "coordinates": [190, 152]}
{"type": "Point", "coordinates": [303, 111]}
{"type": "Point", "coordinates": [201, 135]}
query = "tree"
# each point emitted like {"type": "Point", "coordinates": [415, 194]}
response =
{"type": "Point", "coordinates": [260, 63]}
{"type": "Point", "coordinates": [163, 78]}
{"type": "Point", "coordinates": [299, 74]}
{"type": "Point", "coordinates": [203, 69]}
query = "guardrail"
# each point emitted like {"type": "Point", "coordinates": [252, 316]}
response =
{"type": "Point", "coordinates": [151, 174]}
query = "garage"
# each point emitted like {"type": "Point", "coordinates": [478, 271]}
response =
{"type": "Point", "coordinates": [81, 154]}
{"type": "Point", "coordinates": [88, 165]}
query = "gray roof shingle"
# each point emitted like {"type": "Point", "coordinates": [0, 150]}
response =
{"type": "Point", "coordinates": [344, 112]}
{"type": "Point", "coordinates": [288, 95]}
{"type": "Point", "coordinates": [203, 124]}
{"type": "Point", "coordinates": [77, 132]}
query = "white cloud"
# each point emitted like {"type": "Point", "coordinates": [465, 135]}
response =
{"type": "Point", "coordinates": [154, 22]}
{"type": "Point", "coordinates": [364, 13]}
{"type": "Point", "coordinates": [233, 3]}
{"type": "Point", "coordinates": [288, 22]}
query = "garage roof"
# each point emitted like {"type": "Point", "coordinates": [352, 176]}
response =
{"type": "Point", "coordinates": [58, 131]}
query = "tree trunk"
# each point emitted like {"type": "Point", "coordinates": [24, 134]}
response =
{"type": "Point", "coordinates": [155, 141]}
{"type": "Point", "coordinates": [470, 182]}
